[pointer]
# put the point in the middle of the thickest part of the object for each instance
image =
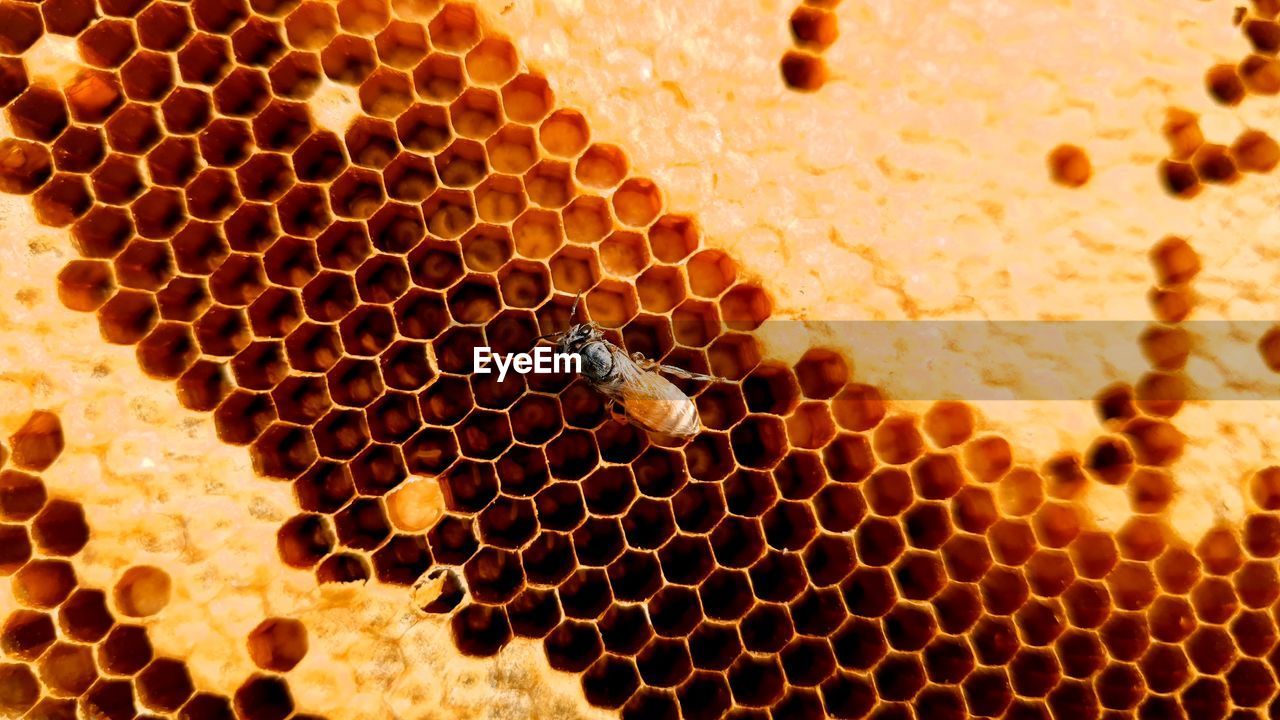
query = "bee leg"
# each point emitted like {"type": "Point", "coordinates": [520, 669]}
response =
{"type": "Point", "coordinates": [682, 373]}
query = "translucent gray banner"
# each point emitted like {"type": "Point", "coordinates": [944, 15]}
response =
{"type": "Point", "coordinates": [1029, 360]}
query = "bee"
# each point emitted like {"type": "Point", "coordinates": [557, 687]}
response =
{"type": "Point", "coordinates": [631, 381]}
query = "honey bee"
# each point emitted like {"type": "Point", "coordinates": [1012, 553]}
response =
{"type": "Point", "coordinates": [631, 381]}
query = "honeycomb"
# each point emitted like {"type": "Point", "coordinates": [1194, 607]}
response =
{"type": "Point", "coordinates": [317, 287]}
{"type": "Point", "coordinates": [75, 650]}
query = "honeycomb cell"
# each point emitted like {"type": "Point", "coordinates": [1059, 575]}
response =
{"type": "Point", "coordinates": [21, 690]}
{"type": "Point", "coordinates": [43, 584]}
{"type": "Point", "coordinates": [802, 71]}
{"type": "Point", "coordinates": [110, 699]}
{"type": "Point", "coordinates": [1224, 84]}
{"type": "Point", "coordinates": [813, 27]}
{"type": "Point", "coordinates": [1213, 164]}
{"type": "Point", "coordinates": [27, 634]}
{"type": "Point", "coordinates": [899, 677]}
{"type": "Point", "coordinates": [927, 524]}
{"type": "Point", "coordinates": [1254, 150]}
{"type": "Point", "coordinates": [1179, 179]}
{"type": "Point", "coordinates": [1069, 166]}
{"type": "Point", "coordinates": [264, 697]}
{"type": "Point", "coordinates": [859, 644]}
{"type": "Point", "coordinates": [164, 685]}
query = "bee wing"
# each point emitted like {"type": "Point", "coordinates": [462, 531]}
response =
{"type": "Point", "coordinates": [652, 402]}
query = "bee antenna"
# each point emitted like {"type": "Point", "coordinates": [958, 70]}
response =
{"type": "Point", "coordinates": [573, 311]}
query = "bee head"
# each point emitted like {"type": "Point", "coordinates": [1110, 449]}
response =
{"type": "Point", "coordinates": [578, 335]}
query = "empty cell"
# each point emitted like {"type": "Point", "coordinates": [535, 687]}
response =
{"type": "Point", "coordinates": [348, 59]}
{"type": "Point", "coordinates": [601, 166]}
{"type": "Point", "coordinates": [648, 524]}
{"type": "Point", "coordinates": [494, 575]}
{"type": "Point", "coordinates": [386, 93]}
{"type": "Point", "coordinates": [78, 149]}
{"type": "Point", "coordinates": [127, 318]}
{"type": "Point", "coordinates": [651, 703]}
{"type": "Point", "coordinates": [549, 559]}
{"type": "Point", "coordinates": [424, 128]}
{"type": "Point", "coordinates": [27, 634]}
{"type": "Point", "coordinates": [40, 113]}
{"type": "Point", "coordinates": [363, 17]}
{"type": "Point", "coordinates": [899, 677]}
{"type": "Point", "coordinates": [500, 199]}
{"type": "Point", "coordinates": [527, 98]}
{"type": "Point", "coordinates": [759, 441]}
{"type": "Point", "coordinates": [133, 129]}
{"type": "Point", "coordinates": [848, 695]}
{"type": "Point", "coordinates": [625, 628]}
{"type": "Point", "coordinates": [674, 611]}
{"type": "Point", "coordinates": [660, 288]}
{"type": "Point", "coordinates": [587, 219]}
{"type": "Point", "coordinates": [62, 200]}
{"type": "Point", "coordinates": [438, 78]}
{"type": "Point", "coordinates": [13, 79]}
{"type": "Point", "coordinates": [638, 202]}
{"type": "Point", "coordinates": [164, 684]}
{"type": "Point", "coordinates": [362, 525]}
{"type": "Point", "coordinates": [635, 576]}
{"type": "Point", "coordinates": [957, 607]}
{"type": "Point", "coordinates": [1179, 179]}
{"type": "Point", "coordinates": [549, 184]}
{"type": "Point", "coordinates": [455, 28]}
{"type": "Point", "coordinates": [281, 125]}
{"type": "Point", "coordinates": [814, 28]}
{"type": "Point", "coordinates": [24, 166]}
{"type": "Point", "coordinates": [225, 142]}
{"type": "Point", "coordinates": [524, 284]}
{"type": "Point", "coordinates": [573, 646]}
{"type": "Point", "coordinates": [295, 76]}
{"type": "Point", "coordinates": [802, 71]}
{"type": "Point", "coordinates": [1213, 164]}
{"type": "Point", "coordinates": [859, 644]}
{"type": "Point", "coordinates": [401, 44]}
{"type": "Point", "coordinates": [43, 583]}
{"type": "Point", "coordinates": [410, 178]}
{"type": "Point", "coordinates": [534, 613]}
{"type": "Point", "coordinates": [920, 576]}
{"type": "Point", "coordinates": [173, 162]}
{"type": "Point", "coordinates": [186, 110]}
{"type": "Point", "coordinates": [311, 25]}
{"type": "Point", "coordinates": [1219, 551]}
{"type": "Point", "coordinates": [585, 594]}
{"type": "Point", "coordinates": [212, 195]}
{"type": "Point", "coordinates": [263, 697]}
{"type": "Point", "coordinates": [319, 157]}
{"type": "Point", "coordinates": [756, 681]}
{"type": "Point", "coordinates": [343, 568]}
{"type": "Point", "coordinates": [477, 114]}
{"type": "Point", "coordinates": [449, 213]}
{"type": "Point", "coordinates": [204, 59]}
{"type": "Point", "coordinates": [68, 669]}
{"type": "Point", "coordinates": [303, 211]}
{"type": "Point", "coordinates": [107, 43]}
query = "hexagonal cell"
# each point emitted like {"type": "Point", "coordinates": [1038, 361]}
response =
{"type": "Point", "coordinates": [348, 59]}
{"type": "Point", "coordinates": [78, 149]}
{"type": "Point", "coordinates": [1213, 164]}
{"type": "Point", "coordinates": [534, 613]}
{"type": "Point", "coordinates": [62, 200]}
{"type": "Point", "coordinates": [343, 568]}
{"type": "Point", "coordinates": [1224, 85]}
{"type": "Point", "coordinates": [127, 318]}
{"type": "Point", "coordinates": [813, 28]}
{"type": "Point", "coordinates": [1254, 150]}
{"type": "Point", "coordinates": [573, 646]}
{"type": "Point", "coordinates": [424, 128]}
{"type": "Point", "coordinates": [40, 113]}
{"type": "Point", "coordinates": [410, 178]}
{"type": "Point", "coordinates": [494, 575]}
{"type": "Point", "coordinates": [13, 79]}
{"type": "Point", "coordinates": [264, 697]}
{"type": "Point", "coordinates": [386, 93]}
{"type": "Point", "coordinates": [1179, 179]}
{"type": "Point", "coordinates": [449, 213]}
{"type": "Point", "coordinates": [65, 17]}
{"type": "Point", "coordinates": [43, 583]}
{"type": "Point", "coordinates": [303, 211]}
{"type": "Point", "coordinates": [26, 166]}
{"type": "Point", "coordinates": [68, 669]}
{"type": "Point", "coordinates": [27, 634]}
{"type": "Point", "coordinates": [802, 71]}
